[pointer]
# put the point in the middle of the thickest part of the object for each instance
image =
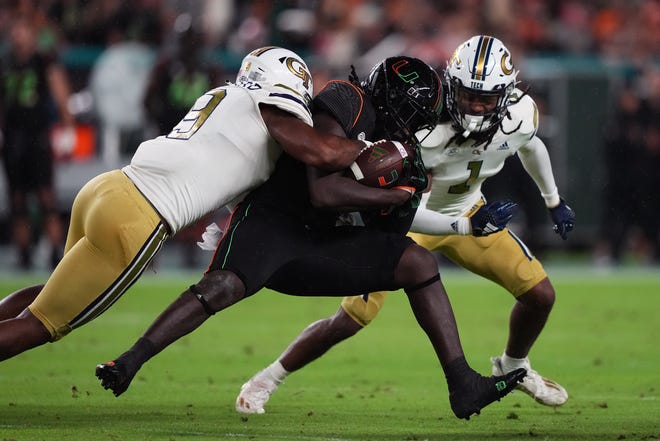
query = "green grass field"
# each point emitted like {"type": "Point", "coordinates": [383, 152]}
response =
{"type": "Point", "coordinates": [601, 343]}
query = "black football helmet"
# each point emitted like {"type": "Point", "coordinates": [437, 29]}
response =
{"type": "Point", "coordinates": [407, 95]}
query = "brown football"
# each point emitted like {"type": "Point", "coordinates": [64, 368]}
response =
{"type": "Point", "coordinates": [381, 164]}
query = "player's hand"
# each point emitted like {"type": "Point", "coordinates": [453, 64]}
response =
{"type": "Point", "coordinates": [563, 217]}
{"type": "Point", "coordinates": [492, 217]}
{"type": "Point", "coordinates": [415, 178]}
{"type": "Point", "coordinates": [211, 237]}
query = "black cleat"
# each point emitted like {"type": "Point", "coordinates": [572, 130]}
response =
{"type": "Point", "coordinates": [114, 376]}
{"type": "Point", "coordinates": [480, 391]}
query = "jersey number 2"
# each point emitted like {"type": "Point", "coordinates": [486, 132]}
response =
{"type": "Point", "coordinates": [463, 187]}
{"type": "Point", "coordinates": [197, 115]}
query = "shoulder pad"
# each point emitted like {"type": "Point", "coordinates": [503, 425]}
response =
{"type": "Point", "coordinates": [439, 136]}
{"type": "Point", "coordinates": [524, 114]}
{"type": "Point", "coordinates": [348, 105]}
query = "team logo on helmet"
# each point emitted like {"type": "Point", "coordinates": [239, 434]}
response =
{"type": "Point", "coordinates": [406, 77]}
{"type": "Point", "coordinates": [506, 63]}
{"type": "Point", "coordinates": [297, 68]}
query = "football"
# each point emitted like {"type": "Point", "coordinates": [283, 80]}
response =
{"type": "Point", "coordinates": [381, 164]}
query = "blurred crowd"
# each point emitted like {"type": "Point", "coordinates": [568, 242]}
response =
{"type": "Point", "coordinates": [134, 68]}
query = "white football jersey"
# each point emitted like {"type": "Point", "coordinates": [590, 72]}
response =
{"type": "Point", "coordinates": [218, 152]}
{"type": "Point", "coordinates": [460, 169]}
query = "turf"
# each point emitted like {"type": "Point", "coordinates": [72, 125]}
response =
{"type": "Point", "coordinates": [385, 384]}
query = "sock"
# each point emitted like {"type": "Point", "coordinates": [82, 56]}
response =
{"type": "Point", "coordinates": [510, 363]}
{"type": "Point", "coordinates": [457, 372]}
{"type": "Point", "coordinates": [139, 353]}
{"type": "Point", "coordinates": [276, 372]}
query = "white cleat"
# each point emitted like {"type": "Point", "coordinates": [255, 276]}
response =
{"type": "Point", "coordinates": [543, 390]}
{"type": "Point", "coordinates": [254, 395]}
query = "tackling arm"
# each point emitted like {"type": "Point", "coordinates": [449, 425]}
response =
{"type": "Point", "coordinates": [308, 145]}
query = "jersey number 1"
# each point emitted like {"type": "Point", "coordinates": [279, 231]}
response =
{"type": "Point", "coordinates": [463, 187]}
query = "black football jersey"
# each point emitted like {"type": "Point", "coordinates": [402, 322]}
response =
{"type": "Point", "coordinates": [287, 189]}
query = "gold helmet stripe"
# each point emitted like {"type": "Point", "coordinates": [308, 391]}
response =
{"type": "Point", "coordinates": [481, 57]}
{"type": "Point", "coordinates": [261, 50]}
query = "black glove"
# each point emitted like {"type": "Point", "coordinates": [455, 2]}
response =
{"type": "Point", "coordinates": [492, 217]}
{"type": "Point", "coordinates": [564, 218]}
{"type": "Point", "coordinates": [415, 176]}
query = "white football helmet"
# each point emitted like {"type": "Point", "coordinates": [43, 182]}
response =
{"type": "Point", "coordinates": [482, 65]}
{"type": "Point", "coordinates": [277, 71]}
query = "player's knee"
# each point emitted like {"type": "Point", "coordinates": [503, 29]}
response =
{"type": "Point", "coordinates": [540, 297]}
{"type": "Point", "coordinates": [218, 290]}
{"type": "Point", "coordinates": [417, 265]}
{"type": "Point", "coordinates": [343, 325]}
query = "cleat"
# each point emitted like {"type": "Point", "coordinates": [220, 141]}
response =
{"type": "Point", "coordinates": [480, 391]}
{"type": "Point", "coordinates": [255, 394]}
{"type": "Point", "coordinates": [114, 376]}
{"type": "Point", "coordinates": [543, 390]}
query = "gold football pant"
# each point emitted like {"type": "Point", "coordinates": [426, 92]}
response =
{"type": "Point", "coordinates": [113, 235]}
{"type": "Point", "coordinates": [501, 257]}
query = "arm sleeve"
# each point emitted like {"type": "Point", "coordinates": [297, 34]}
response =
{"type": "Point", "coordinates": [431, 222]}
{"type": "Point", "coordinates": [536, 161]}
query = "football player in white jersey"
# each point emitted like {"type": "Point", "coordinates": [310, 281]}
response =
{"type": "Point", "coordinates": [486, 120]}
{"type": "Point", "coordinates": [225, 146]}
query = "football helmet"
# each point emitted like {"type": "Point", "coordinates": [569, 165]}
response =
{"type": "Point", "coordinates": [480, 66]}
{"type": "Point", "coordinates": [407, 96]}
{"type": "Point", "coordinates": [277, 71]}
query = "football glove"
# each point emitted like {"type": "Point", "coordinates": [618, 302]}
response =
{"type": "Point", "coordinates": [563, 217]}
{"type": "Point", "coordinates": [492, 217]}
{"type": "Point", "coordinates": [211, 237]}
{"type": "Point", "coordinates": [415, 177]}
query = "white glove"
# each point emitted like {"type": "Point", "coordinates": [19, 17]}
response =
{"type": "Point", "coordinates": [211, 237]}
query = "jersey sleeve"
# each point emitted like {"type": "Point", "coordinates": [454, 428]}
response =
{"type": "Point", "coordinates": [349, 107]}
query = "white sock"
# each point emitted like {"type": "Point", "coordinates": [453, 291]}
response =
{"type": "Point", "coordinates": [276, 372]}
{"type": "Point", "coordinates": [510, 363]}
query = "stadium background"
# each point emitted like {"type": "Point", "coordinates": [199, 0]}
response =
{"type": "Point", "coordinates": [579, 57]}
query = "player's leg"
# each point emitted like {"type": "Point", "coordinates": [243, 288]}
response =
{"type": "Point", "coordinates": [368, 260]}
{"type": "Point", "coordinates": [504, 259]}
{"type": "Point", "coordinates": [315, 340]}
{"type": "Point", "coordinates": [216, 291]}
{"type": "Point", "coordinates": [469, 391]}
{"type": "Point", "coordinates": [16, 302]}
{"type": "Point", "coordinates": [95, 272]}
{"type": "Point", "coordinates": [355, 313]}
{"type": "Point", "coordinates": [219, 288]}
{"type": "Point", "coordinates": [528, 317]}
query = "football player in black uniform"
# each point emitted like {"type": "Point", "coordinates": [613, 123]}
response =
{"type": "Point", "coordinates": [284, 236]}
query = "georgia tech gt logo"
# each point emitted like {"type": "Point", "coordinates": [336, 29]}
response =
{"type": "Point", "coordinates": [506, 64]}
{"type": "Point", "coordinates": [297, 68]}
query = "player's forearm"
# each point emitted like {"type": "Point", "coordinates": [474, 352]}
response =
{"type": "Point", "coordinates": [336, 192]}
{"type": "Point", "coordinates": [431, 222]}
{"type": "Point", "coordinates": [536, 161]}
{"type": "Point", "coordinates": [306, 144]}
